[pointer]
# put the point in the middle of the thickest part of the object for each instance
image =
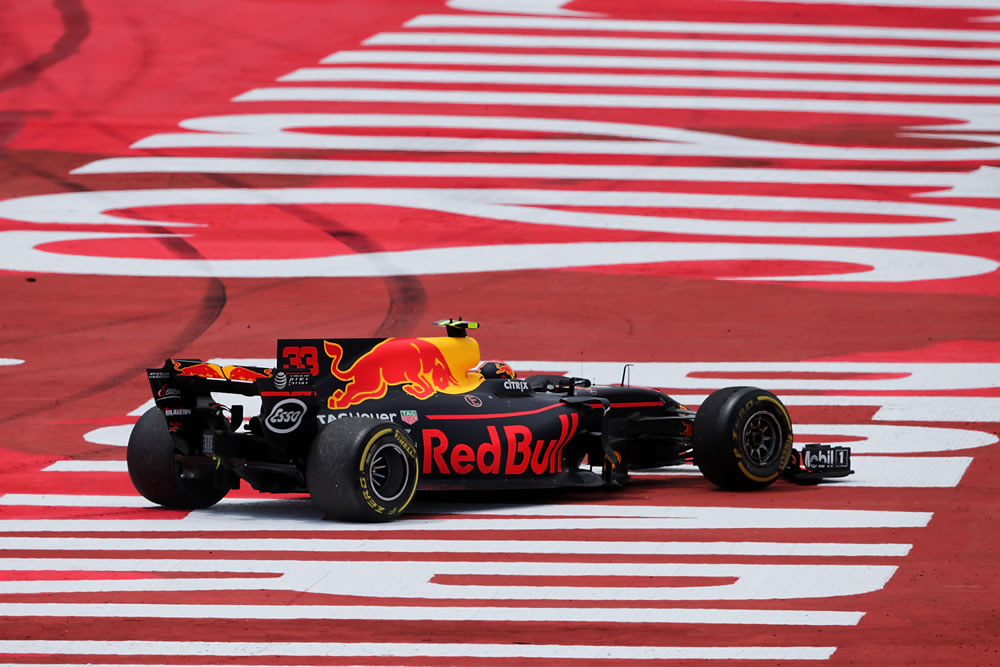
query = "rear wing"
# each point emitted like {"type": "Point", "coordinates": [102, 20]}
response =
{"type": "Point", "coordinates": [191, 377]}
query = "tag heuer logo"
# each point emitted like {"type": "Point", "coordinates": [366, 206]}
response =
{"type": "Point", "coordinates": [408, 416]}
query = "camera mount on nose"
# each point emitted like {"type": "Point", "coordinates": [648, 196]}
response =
{"type": "Point", "coordinates": [457, 328]}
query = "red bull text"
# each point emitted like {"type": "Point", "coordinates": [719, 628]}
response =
{"type": "Point", "coordinates": [508, 450]}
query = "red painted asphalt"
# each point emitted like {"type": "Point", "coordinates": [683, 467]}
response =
{"type": "Point", "coordinates": [82, 82]}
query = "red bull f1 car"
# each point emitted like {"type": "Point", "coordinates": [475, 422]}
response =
{"type": "Point", "coordinates": [361, 424]}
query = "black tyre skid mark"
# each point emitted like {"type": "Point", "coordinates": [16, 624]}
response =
{"type": "Point", "coordinates": [76, 30]}
{"type": "Point", "coordinates": [407, 296]}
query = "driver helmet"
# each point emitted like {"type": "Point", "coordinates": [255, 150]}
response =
{"type": "Point", "coordinates": [492, 370]}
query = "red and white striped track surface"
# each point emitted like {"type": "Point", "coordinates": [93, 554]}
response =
{"type": "Point", "coordinates": [801, 196]}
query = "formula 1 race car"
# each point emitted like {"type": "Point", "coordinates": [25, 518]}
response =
{"type": "Point", "coordinates": [360, 424]}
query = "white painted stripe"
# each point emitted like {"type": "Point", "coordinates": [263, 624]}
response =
{"type": "Point", "coordinates": [376, 580]}
{"type": "Point", "coordinates": [458, 545]}
{"type": "Point", "coordinates": [904, 376]}
{"type": "Point", "coordinates": [872, 471]}
{"type": "Point", "coordinates": [663, 472]}
{"type": "Point", "coordinates": [527, 205]}
{"type": "Point", "coordinates": [10, 362]}
{"type": "Point", "coordinates": [974, 112]}
{"type": "Point", "coordinates": [303, 515]}
{"type": "Point", "coordinates": [114, 436]}
{"type": "Point", "coordinates": [921, 472]}
{"type": "Point", "coordinates": [890, 408]}
{"type": "Point", "coordinates": [702, 27]}
{"type": "Point", "coordinates": [548, 60]}
{"type": "Point", "coordinates": [908, 471]}
{"type": "Point", "coordinates": [20, 253]}
{"type": "Point", "coordinates": [530, 206]}
{"type": "Point", "coordinates": [87, 466]}
{"type": "Point", "coordinates": [895, 439]}
{"type": "Point", "coordinates": [574, 651]}
{"type": "Point", "coordinates": [544, 7]}
{"type": "Point", "coordinates": [290, 123]}
{"type": "Point", "coordinates": [939, 409]}
{"type": "Point", "coordinates": [592, 80]}
{"type": "Point", "coordinates": [980, 182]}
{"type": "Point", "coordinates": [590, 42]}
{"type": "Point", "coordinates": [282, 131]}
{"type": "Point", "coordinates": [942, 4]}
{"type": "Point", "coordinates": [505, 170]}
{"type": "Point", "coordinates": [59, 500]}
{"type": "Point", "coordinates": [141, 410]}
{"type": "Point", "coordinates": [977, 409]}
{"type": "Point", "coordinates": [463, 613]}
{"type": "Point", "coordinates": [706, 145]}
{"type": "Point", "coordinates": [721, 148]}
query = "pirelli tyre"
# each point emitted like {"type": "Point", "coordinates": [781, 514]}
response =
{"type": "Point", "coordinates": [742, 438]}
{"type": "Point", "coordinates": [156, 474]}
{"type": "Point", "coordinates": [362, 469]}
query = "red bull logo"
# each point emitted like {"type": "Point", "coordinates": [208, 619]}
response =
{"type": "Point", "coordinates": [244, 374]}
{"type": "Point", "coordinates": [417, 365]}
{"type": "Point", "coordinates": [497, 369]}
{"type": "Point", "coordinates": [201, 370]}
{"type": "Point", "coordinates": [217, 372]}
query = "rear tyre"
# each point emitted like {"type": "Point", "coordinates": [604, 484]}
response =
{"type": "Point", "coordinates": [742, 438]}
{"type": "Point", "coordinates": [362, 470]}
{"type": "Point", "coordinates": [156, 474]}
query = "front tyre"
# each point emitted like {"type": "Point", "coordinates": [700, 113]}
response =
{"type": "Point", "coordinates": [362, 470]}
{"type": "Point", "coordinates": [156, 474]}
{"type": "Point", "coordinates": [742, 438]}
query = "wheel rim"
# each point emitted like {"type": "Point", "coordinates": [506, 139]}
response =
{"type": "Point", "coordinates": [389, 471]}
{"type": "Point", "coordinates": [762, 438]}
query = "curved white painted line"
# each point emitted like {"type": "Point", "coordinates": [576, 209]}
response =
{"type": "Point", "coordinates": [524, 206]}
{"type": "Point", "coordinates": [19, 251]}
{"type": "Point", "coordinates": [280, 131]}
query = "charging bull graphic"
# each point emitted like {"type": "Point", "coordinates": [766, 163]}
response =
{"type": "Point", "coordinates": [417, 364]}
{"type": "Point", "coordinates": [217, 372]}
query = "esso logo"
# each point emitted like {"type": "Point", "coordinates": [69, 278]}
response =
{"type": "Point", "coordinates": [286, 415]}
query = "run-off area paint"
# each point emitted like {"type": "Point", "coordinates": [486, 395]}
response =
{"type": "Point", "coordinates": [630, 590]}
{"type": "Point", "coordinates": [619, 592]}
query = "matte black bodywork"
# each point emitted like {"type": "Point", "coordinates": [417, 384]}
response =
{"type": "Point", "coordinates": [471, 431]}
